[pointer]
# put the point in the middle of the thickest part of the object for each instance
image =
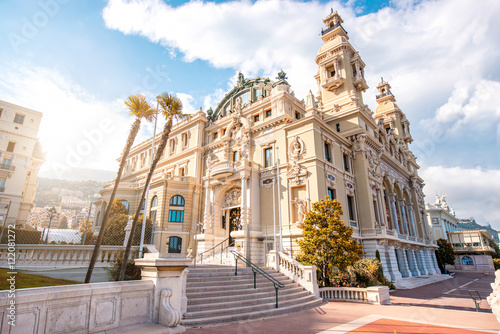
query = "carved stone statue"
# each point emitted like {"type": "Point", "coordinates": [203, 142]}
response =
{"type": "Point", "coordinates": [232, 198]}
{"type": "Point", "coordinates": [301, 210]}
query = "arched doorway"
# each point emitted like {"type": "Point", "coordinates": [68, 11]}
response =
{"type": "Point", "coordinates": [234, 222]}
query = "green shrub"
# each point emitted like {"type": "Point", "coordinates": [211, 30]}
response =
{"type": "Point", "coordinates": [368, 272]}
{"type": "Point", "coordinates": [132, 272]}
{"type": "Point", "coordinates": [496, 263]}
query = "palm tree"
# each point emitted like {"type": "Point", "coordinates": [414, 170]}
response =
{"type": "Point", "coordinates": [171, 108]}
{"type": "Point", "coordinates": [142, 109]}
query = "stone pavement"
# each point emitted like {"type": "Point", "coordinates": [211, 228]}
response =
{"type": "Point", "coordinates": [443, 307]}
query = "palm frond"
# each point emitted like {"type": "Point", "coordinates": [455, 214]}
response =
{"type": "Point", "coordinates": [140, 107]}
{"type": "Point", "coordinates": [170, 106]}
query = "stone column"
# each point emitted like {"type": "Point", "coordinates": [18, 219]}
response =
{"type": "Point", "coordinates": [434, 261]}
{"type": "Point", "coordinates": [403, 263]}
{"type": "Point", "coordinates": [429, 266]}
{"type": "Point", "coordinates": [412, 262]}
{"type": "Point", "coordinates": [402, 211]}
{"type": "Point", "coordinates": [381, 209]}
{"type": "Point", "coordinates": [168, 273]}
{"type": "Point", "coordinates": [394, 212]}
{"type": "Point", "coordinates": [420, 263]}
{"type": "Point", "coordinates": [394, 268]}
{"type": "Point", "coordinates": [412, 220]}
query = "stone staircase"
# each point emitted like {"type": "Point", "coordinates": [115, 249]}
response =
{"type": "Point", "coordinates": [215, 295]}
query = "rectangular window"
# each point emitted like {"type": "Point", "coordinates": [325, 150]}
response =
{"type": "Point", "coordinates": [338, 127]}
{"type": "Point", "coordinates": [256, 118]}
{"type": "Point", "coordinates": [235, 156]}
{"type": "Point", "coordinates": [224, 131]}
{"type": "Point", "coordinates": [2, 185]}
{"type": "Point", "coordinates": [10, 147]}
{"type": "Point", "coordinates": [172, 146]}
{"type": "Point", "coordinates": [350, 205]}
{"type": "Point", "coordinates": [268, 113]}
{"type": "Point", "coordinates": [258, 93]}
{"type": "Point", "coordinates": [387, 129]}
{"type": "Point", "coordinates": [176, 216]}
{"type": "Point", "coordinates": [19, 119]}
{"type": "Point", "coordinates": [328, 156]}
{"type": "Point", "coordinates": [346, 163]}
{"type": "Point", "coordinates": [297, 115]}
{"type": "Point", "coordinates": [215, 135]}
{"type": "Point", "coordinates": [182, 171]}
{"type": "Point", "coordinates": [268, 157]}
{"type": "Point", "coordinates": [331, 193]}
{"type": "Point", "coordinates": [184, 140]}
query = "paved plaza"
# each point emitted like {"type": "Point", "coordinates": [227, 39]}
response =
{"type": "Point", "coordinates": [442, 308]}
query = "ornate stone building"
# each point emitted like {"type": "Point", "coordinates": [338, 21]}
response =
{"type": "Point", "coordinates": [249, 170]}
{"type": "Point", "coordinates": [20, 160]}
{"type": "Point", "coordinates": [441, 219]}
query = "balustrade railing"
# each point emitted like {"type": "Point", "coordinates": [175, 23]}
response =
{"type": "Point", "coordinates": [62, 256]}
{"type": "Point", "coordinates": [344, 294]}
{"type": "Point", "coordinates": [299, 273]}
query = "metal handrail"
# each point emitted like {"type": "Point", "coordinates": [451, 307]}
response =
{"type": "Point", "coordinates": [255, 270]}
{"type": "Point", "coordinates": [213, 250]}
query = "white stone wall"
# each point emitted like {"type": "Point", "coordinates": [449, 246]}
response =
{"type": "Point", "coordinates": [81, 308]}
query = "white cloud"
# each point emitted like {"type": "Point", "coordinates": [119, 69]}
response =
{"type": "Point", "coordinates": [77, 130]}
{"type": "Point", "coordinates": [472, 105]}
{"type": "Point", "coordinates": [188, 101]}
{"type": "Point", "coordinates": [471, 192]}
{"type": "Point", "coordinates": [259, 37]}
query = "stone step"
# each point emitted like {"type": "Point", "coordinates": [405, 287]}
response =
{"type": "Point", "coordinates": [245, 309]}
{"type": "Point", "coordinates": [207, 272]}
{"type": "Point", "coordinates": [230, 290]}
{"type": "Point", "coordinates": [230, 277]}
{"type": "Point", "coordinates": [251, 315]}
{"type": "Point", "coordinates": [241, 295]}
{"type": "Point", "coordinates": [253, 299]}
{"type": "Point", "coordinates": [241, 283]}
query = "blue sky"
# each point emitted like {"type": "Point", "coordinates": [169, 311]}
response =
{"type": "Point", "coordinates": [76, 61]}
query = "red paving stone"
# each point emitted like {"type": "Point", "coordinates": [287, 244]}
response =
{"type": "Point", "coordinates": [388, 326]}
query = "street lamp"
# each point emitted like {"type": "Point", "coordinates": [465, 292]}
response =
{"type": "Point", "coordinates": [52, 211]}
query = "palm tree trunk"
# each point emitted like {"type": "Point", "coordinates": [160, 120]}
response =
{"type": "Point", "coordinates": [130, 141]}
{"type": "Point", "coordinates": [161, 148]}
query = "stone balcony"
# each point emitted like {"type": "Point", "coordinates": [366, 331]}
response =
{"type": "Point", "coordinates": [384, 233]}
{"type": "Point", "coordinates": [473, 249]}
{"type": "Point", "coordinates": [333, 83]}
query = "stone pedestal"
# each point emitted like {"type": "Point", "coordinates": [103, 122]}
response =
{"type": "Point", "coordinates": [168, 273]}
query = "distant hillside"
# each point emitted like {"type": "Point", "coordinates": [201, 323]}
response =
{"type": "Point", "coordinates": [79, 174]}
{"type": "Point", "coordinates": [50, 190]}
{"type": "Point", "coordinates": [471, 224]}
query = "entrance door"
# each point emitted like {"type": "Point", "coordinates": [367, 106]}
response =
{"type": "Point", "coordinates": [234, 222]}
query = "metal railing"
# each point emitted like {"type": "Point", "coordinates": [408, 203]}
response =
{"type": "Point", "coordinates": [214, 250]}
{"type": "Point", "coordinates": [255, 270]}
{"type": "Point", "coordinates": [7, 167]}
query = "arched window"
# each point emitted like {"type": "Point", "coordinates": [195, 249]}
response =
{"type": "Point", "coordinates": [174, 244]}
{"type": "Point", "coordinates": [467, 261]}
{"type": "Point", "coordinates": [154, 202]}
{"type": "Point", "coordinates": [176, 214]}
{"type": "Point", "coordinates": [177, 200]}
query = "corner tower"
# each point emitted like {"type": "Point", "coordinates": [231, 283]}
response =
{"type": "Point", "coordinates": [389, 115]}
{"type": "Point", "coordinates": [340, 75]}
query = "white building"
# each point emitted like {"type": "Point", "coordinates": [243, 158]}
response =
{"type": "Point", "coordinates": [20, 157]}
{"type": "Point", "coordinates": [441, 219]}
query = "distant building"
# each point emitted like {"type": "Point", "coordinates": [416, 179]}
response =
{"type": "Point", "coordinates": [20, 159]}
{"type": "Point", "coordinates": [472, 249]}
{"type": "Point", "coordinates": [441, 219]}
